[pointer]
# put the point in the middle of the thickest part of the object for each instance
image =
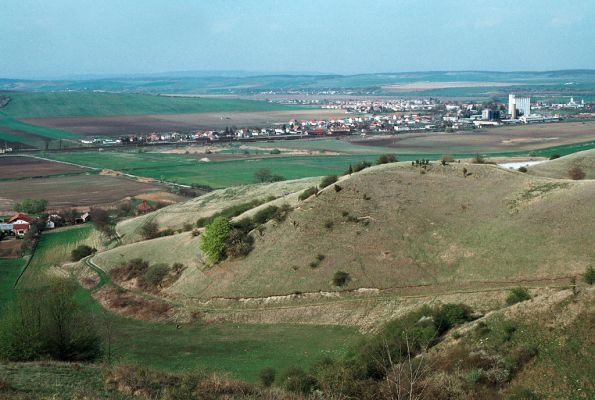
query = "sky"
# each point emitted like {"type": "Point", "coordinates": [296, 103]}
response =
{"type": "Point", "coordinates": [65, 38]}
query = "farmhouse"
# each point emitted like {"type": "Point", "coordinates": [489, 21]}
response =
{"type": "Point", "coordinates": [18, 225]}
{"type": "Point", "coordinates": [144, 207]}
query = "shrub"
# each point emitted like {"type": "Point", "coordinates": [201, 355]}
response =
{"type": "Point", "coordinates": [361, 165]}
{"type": "Point", "coordinates": [450, 315]}
{"type": "Point", "coordinates": [517, 295]}
{"type": "Point", "coordinates": [338, 188]}
{"type": "Point", "coordinates": [554, 156]}
{"type": "Point", "coordinates": [149, 230]}
{"type": "Point", "coordinates": [341, 278]}
{"type": "Point", "coordinates": [212, 242]}
{"type": "Point", "coordinates": [232, 211]}
{"type": "Point", "coordinates": [238, 243]}
{"type": "Point", "coordinates": [576, 173]}
{"type": "Point", "coordinates": [386, 159]}
{"type": "Point", "coordinates": [328, 180]}
{"type": "Point", "coordinates": [522, 169]}
{"type": "Point", "coordinates": [589, 275]}
{"type": "Point", "coordinates": [57, 327]}
{"type": "Point", "coordinates": [135, 268]}
{"type": "Point", "coordinates": [267, 376]}
{"type": "Point", "coordinates": [275, 151]}
{"type": "Point", "coordinates": [271, 212]}
{"type": "Point", "coordinates": [473, 376]}
{"type": "Point", "coordinates": [195, 232]}
{"type": "Point", "coordinates": [155, 274]}
{"type": "Point", "coordinates": [311, 191]}
{"type": "Point", "coordinates": [82, 251]}
{"type": "Point", "coordinates": [478, 159]}
{"type": "Point", "coordinates": [349, 170]}
{"type": "Point", "coordinates": [296, 380]}
{"type": "Point", "coordinates": [329, 225]}
{"type": "Point", "coordinates": [508, 330]}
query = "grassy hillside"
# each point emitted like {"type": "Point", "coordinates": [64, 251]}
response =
{"type": "Point", "coordinates": [175, 216]}
{"type": "Point", "coordinates": [54, 249]}
{"type": "Point", "coordinates": [70, 104]}
{"type": "Point", "coordinates": [559, 167]}
{"type": "Point", "coordinates": [392, 226]}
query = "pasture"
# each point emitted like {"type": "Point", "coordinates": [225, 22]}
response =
{"type": "Point", "coordinates": [54, 249]}
{"type": "Point", "coordinates": [9, 271]}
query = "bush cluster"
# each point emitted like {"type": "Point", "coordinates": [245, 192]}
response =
{"type": "Point", "coordinates": [386, 159]}
{"type": "Point", "coordinates": [147, 276]}
{"type": "Point", "coordinates": [517, 295]}
{"type": "Point", "coordinates": [233, 211]}
{"type": "Point", "coordinates": [57, 327]}
{"type": "Point", "coordinates": [311, 191]}
{"type": "Point", "coordinates": [31, 206]}
{"type": "Point", "coordinates": [361, 166]}
{"type": "Point", "coordinates": [576, 173]}
{"type": "Point", "coordinates": [328, 180]}
{"type": "Point", "coordinates": [82, 251]}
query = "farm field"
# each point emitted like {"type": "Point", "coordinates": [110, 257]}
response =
{"type": "Point", "coordinates": [187, 122]}
{"type": "Point", "coordinates": [500, 139]}
{"type": "Point", "coordinates": [217, 174]}
{"type": "Point", "coordinates": [12, 167]}
{"type": "Point", "coordinates": [70, 104]}
{"type": "Point", "coordinates": [83, 190]}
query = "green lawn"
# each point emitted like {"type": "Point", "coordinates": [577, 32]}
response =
{"type": "Point", "coordinates": [65, 104]}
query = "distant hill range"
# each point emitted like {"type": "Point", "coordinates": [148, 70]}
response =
{"type": "Point", "coordinates": [431, 83]}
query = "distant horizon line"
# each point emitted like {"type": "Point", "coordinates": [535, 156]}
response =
{"type": "Point", "coordinates": [249, 74]}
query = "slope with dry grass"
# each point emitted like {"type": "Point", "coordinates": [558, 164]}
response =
{"type": "Point", "coordinates": [395, 226]}
{"type": "Point", "coordinates": [560, 167]}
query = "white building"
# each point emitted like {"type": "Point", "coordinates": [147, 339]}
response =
{"type": "Point", "coordinates": [522, 104]}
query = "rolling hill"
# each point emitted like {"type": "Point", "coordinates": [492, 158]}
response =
{"type": "Point", "coordinates": [559, 167]}
{"type": "Point", "coordinates": [397, 226]}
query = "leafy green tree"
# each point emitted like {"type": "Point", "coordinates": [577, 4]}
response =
{"type": "Point", "coordinates": [212, 242]}
{"type": "Point", "coordinates": [31, 206]}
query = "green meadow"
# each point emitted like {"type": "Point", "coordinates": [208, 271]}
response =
{"type": "Point", "coordinates": [219, 174]}
{"type": "Point", "coordinates": [241, 350]}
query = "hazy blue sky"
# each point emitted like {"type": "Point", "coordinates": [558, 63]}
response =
{"type": "Point", "coordinates": [71, 37]}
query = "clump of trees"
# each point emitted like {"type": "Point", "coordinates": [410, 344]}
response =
{"type": "Point", "coordinates": [576, 173]}
{"type": "Point", "coordinates": [264, 175]}
{"type": "Point", "coordinates": [386, 159]}
{"type": "Point", "coordinates": [147, 276]}
{"type": "Point", "coordinates": [311, 191]}
{"type": "Point", "coordinates": [361, 166]}
{"type": "Point", "coordinates": [328, 180]}
{"type": "Point", "coordinates": [48, 323]}
{"type": "Point", "coordinates": [102, 221]}
{"type": "Point", "coordinates": [82, 251]}
{"type": "Point", "coordinates": [223, 239]}
{"type": "Point", "coordinates": [31, 206]}
{"type": "Point", "coordinates": [212, 241]}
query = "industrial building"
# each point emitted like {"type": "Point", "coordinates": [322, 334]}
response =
{"type": "Point", "coordinates": [518, 105]}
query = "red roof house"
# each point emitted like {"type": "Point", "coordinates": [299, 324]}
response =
{"type": "Point", "coordinates": [20, 216]}
{"type": "Point", "coordinates": [144, 207]}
